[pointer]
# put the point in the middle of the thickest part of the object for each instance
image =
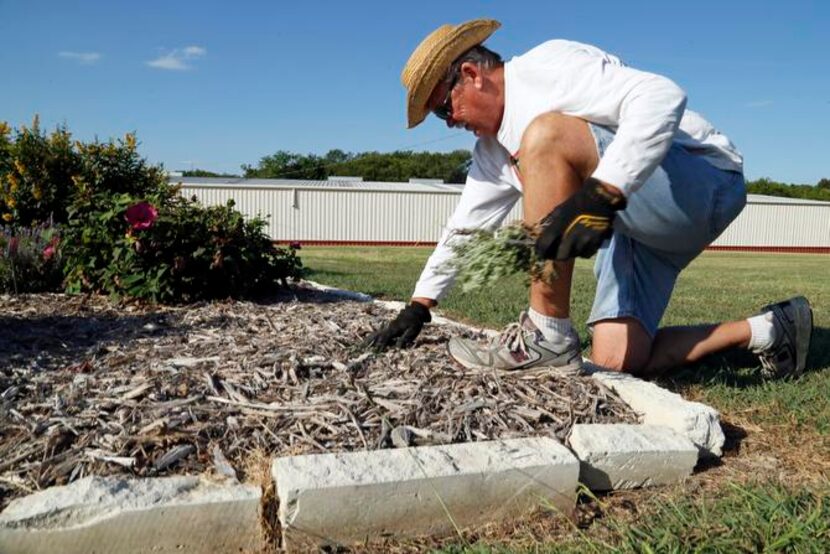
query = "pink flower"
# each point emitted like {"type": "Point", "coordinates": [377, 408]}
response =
{"type": "Point", "coordinates": [48, 252]}
{"type": "Point", "coordinates": [141, 215]}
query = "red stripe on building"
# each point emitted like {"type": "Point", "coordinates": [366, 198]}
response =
{"type": "Point", "coordinates": [782, 249]}
{"type": "Point", "coordinates": [354, 243]}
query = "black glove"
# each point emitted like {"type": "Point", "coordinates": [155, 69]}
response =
{"type": "Point", "coordinates": [402, 330]}
{"type": "Point", "coordinates": [579, 225]}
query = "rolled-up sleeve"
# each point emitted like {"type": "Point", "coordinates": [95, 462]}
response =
{"type": "Point", "coordinates": [650, 114]}
{"type": "Point", "coordinates": [487, 198]}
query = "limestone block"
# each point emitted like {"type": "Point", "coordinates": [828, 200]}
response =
{"type": "Point", "coordinates": [624, 456]}
{"type": "Point", "coordinates": [657, 406]}
{"type": "Point", "coordinates": [342, 293]}
{"type": "Point", "coordinates": [114, 514]}
{"type": "Point", "coordinates": [352, 497]}
{"type": "Point", "coordinates": [391, 305]}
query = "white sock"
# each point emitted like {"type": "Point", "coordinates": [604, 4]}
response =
{"type": "Point", "coordinates": [763, 332]}
{"type": "Point", "coordinates": [557, 330]}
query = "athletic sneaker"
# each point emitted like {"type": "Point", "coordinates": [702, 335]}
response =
{"type": "Point", "coordinates": [520, 346]}
{"type": "Point", "coordinates": [793, 321]}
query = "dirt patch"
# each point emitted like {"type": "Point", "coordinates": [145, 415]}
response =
{"type": "Point", "coordinates": [789, 452]}
{"type": "Point", "coordinates": [89, 387]}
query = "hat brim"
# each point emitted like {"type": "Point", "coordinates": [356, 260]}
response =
{"type": "Point", "coordinates": [434, 66]}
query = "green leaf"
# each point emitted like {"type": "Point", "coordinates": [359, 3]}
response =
{"type": "Point", "coordinates": [132, 279]}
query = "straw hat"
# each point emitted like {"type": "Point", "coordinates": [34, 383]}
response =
{"type": "Point", "coordinates": [430, 61]}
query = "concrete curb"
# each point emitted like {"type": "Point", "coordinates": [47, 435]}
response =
{"type": "Point", "coordinates": [392, 306]}
{"type": "Point", "coordinates": [657, 406]}
{"type": "Point", "coordinates": [342, 293]}
{"type": "Point", "coordinates": [620, 456]}
{"type": "Point", "coordinates": [113, 514]}
{"type": "Point", "coordinates": [347, 498]}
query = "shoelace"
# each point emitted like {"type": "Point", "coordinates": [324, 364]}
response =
{"type": "Point", "coordinates": [513, 338]}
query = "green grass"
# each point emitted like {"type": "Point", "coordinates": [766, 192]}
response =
{"type": "Point", "coordinates": [783, 419]}
{"type": "Point", "coordinates": [744, 519]}
{"type": "Point", "coordinates": [750, 518]}
{"type": "Point", "coordinates": [715, 286]}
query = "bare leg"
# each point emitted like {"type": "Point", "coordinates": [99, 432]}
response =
{"type": "Point", "coordinates": [623, 345]}
{"type": "Point", "coordinates": [675, 346]}
{"type": "Point", "coordinates": [557, 154]}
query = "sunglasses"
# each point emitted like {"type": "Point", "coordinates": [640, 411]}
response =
{"type": "Point", "coordinates": [444, 111]}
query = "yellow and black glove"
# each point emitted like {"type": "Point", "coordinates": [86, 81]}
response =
{"type": "Point", "coordinates": [579, 225]}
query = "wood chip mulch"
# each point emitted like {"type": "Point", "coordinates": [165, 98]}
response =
{"type": "Point", "coordinates": [91, 387]}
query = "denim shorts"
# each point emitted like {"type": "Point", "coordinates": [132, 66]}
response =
{"type": "Point", "coordinates": [679, 210]}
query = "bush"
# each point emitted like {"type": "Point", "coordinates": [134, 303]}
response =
{"type": "Point", "coordinates": [30, 259]}
{"type": "Point", "coordinates": [36, 173]}
{"type": "Point", "coordinates": [178, 252]}
{"type": "Point", "coordinates": [127, 232]}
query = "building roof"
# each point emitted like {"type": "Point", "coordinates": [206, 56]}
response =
{"type": "Point", "coordinates": [308, 184]}
{"type": "Point", "coordinates": [766, 199]}
{"type": "Point", "coordinates": [381, 186]}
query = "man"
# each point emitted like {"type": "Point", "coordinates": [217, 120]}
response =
{"type": "Point", "coordinates": [609, 159]}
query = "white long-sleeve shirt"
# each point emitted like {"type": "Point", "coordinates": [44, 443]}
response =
{"type": "Point", "coordinates": [646, 111]}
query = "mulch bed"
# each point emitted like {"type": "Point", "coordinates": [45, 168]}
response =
{"type": "Point", "coordinates": [91, 387]}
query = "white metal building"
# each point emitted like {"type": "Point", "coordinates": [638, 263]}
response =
{"type": "Point", "coordinates": [777, 223]}
{"type": "Point", "coordinates": [357, 212]}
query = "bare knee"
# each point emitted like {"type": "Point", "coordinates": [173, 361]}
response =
{"type": "Point", "coordinates": [621, 345]}
{"type": "Point", "coordinates": [564, 136]}
{"type": "Point", "coordinates": [546, 130]}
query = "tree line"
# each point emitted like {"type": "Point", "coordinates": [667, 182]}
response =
{"type": "Point", "coordinates": [451, 167]}
{"type": "Point", "coordinates": [398, 166]}
{"type": "Point", "coordinates": [819, 191]}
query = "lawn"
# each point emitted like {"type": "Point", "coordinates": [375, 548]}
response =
{"type": "Point", "coordinates": [769, 493]}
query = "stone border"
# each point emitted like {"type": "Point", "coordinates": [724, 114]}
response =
{"type": "Point", "coordinates": [352, 497]}
{"type": "Point", "coordinates": [625, 456]}
{"type": "Point", "coordinates": [125, 515]}
{"type": "Point", "coordinates": [657, 406]}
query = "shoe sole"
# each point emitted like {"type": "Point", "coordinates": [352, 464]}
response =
{"type": "Point", "coordinates": [573, 368]}
{"type": "Point", "coordinates": [568, 370]}
{"type": "Point", "coordinates": [803, 331]}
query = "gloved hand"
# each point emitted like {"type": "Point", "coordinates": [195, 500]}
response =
{"type": "Point", "coordinates": [579, 225]}
{"type": "Point", "coordinates": [402, 330]}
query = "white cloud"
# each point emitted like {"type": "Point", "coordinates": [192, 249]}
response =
{"type": "Point", "coordinates": [178, 59]}
{"type": "Point", "coordinates": [169, 61]}
{"type": "Point", "coordinates": [194, 51]}
{"type": "Point", "coordinates": [83, 58]}
{"type": "Point", "coordinates": [759, 104]}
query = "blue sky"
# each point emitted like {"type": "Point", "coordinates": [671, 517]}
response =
{"type": "Point", "coordinates": [215, 85]}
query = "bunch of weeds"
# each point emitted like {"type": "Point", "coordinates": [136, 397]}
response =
{"type": "Point", "coordinates": [483, 258]}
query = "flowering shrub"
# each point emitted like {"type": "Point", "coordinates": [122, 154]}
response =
{"type": "Point", "coordinates": [41, 175]}
{"type": "Point", "coordinates": [127, 232]}
{"type": "Point", "coordinates": [36, 174]}
{"type": "Point", "coordinates": [30, 259]}
{"type": "Point", "coordinates": [176, 252]}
